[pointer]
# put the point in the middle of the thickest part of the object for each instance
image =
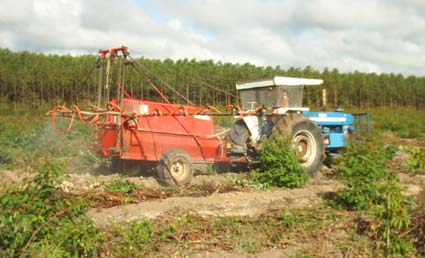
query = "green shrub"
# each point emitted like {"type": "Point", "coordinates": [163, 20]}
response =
{"type": "Point", "coordinates": [390, 151]}
{"type": "Point", "coordinates": [369, 186]}
{"type": "Point", "coordinates": [288, 220]}
{"type": "Point", "coordinates": [404, 122]}
{"type": "Point", "coordinates": [38, 219]}
{"type": "Point", "coordinates": [416, 160]}
{"type": "Point", "coordinates": [130, 238]}
{"type": "Point", "coordinates": [17, 141]}
{"type": "Point", "coordinates": [393, 218]}
{"type": "Point", "coordinates": [137, 232]}
{"type": "Point", "coordinates": [362, 169]}
{"type": "Point", "coordinates": [225, 121]}
{"type": "Point", "coordinates": [25, 138]}
{"type": "Point", "coordinates": [122, 186]}
{"type": "Point", "coordinates": [417, 227]}
{"type": "Point", "coordinates": [279, 165]}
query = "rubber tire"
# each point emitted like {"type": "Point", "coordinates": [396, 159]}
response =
{"type": "Point", "coordinates": [298, 126]}
{"type": "Point", "coordinates": [170, 159]}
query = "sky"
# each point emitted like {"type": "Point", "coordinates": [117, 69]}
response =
{"type": "Point", "coordinates": [382, 36]}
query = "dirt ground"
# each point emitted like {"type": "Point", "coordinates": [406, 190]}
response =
{"type": "Point", "coordinates": [239, 202]}
{"type": "Point", "coordinates": [214, 195]}
{"type": "Point", "coordinates": [207, 195]}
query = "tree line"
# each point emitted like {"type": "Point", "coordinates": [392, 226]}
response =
{"type": "Point", "coordinates": [38, 80]}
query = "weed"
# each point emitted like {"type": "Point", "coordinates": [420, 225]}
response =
{"type": "Point", "coordinates": [302, 255]}
{"type": "Point", "coordinates": [404, 122]}
{"type": "Point", "coordinates": [280, 165]}
{"type": "Point", "coordinates": [369, 186]}
{"type": "Point", "coordinates": [185, 218]}
{"type": "Point", "coordinates": [38, 219]}
{"type": "Point", "coordinates": [417, 227]}
{"type": "Point", "coordinates": [287, 220]}
{"type": "Point", "coordinates": [137, 232]}
{"type": "Point", "coordinates": [242, 182]}
{"type": "Point", "coordinates": [390, 151]}
{"type": "Point", "coordinates": [225, 121]}
{"type": "Point", "coordinates": [129, 239]}
{"type": "Point", "coordinates": [362, 169]}
{"type": "Point", "coordinates": [23, 145]}
{"type": "Point", "coordinates": [393, 218]}
{"type": "Point", "coordinates": [126, 200]}
{"type": "Point", "coordinates": [122, 186]}
{"type": "Point", "coordinates": [248, 244]}
{"type": "Point", "coordinates": [416, 160]}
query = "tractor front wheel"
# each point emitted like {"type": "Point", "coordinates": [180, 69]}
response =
{"type": "Point", "coordinates": [175, 168]}
{"type": "Point", "coordinates": [307, 138]}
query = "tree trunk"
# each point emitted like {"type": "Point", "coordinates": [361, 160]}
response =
{"type": "Point", "coordinates": [14, 95]}
{"type": "Point", "coordinates": [41, 93]}
{"type": "Point", "coordinates": [77, 93]}
{"type": "Point", "coordinates": [34, 96]}
{"type": "Point", "coordinates": [335, 97]}
{"type": "Point", "coordinates": [49, 100]}
{"type": "Point", "coordinates": [3, 85]}
{"type": "Point", "coordinates": [187, 94]}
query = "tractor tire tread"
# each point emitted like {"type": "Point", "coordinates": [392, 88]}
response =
{"type": "Point", "coordinates": [163, 168]}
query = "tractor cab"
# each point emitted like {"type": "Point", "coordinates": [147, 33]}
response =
{"type": "Point", "coordinates": [279, 94]}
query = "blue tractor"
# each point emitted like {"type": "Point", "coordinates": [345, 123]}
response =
{"type": "Point", "coordinates": [272, 106]}
{"type": "Point", "coordinates": [337, 126]}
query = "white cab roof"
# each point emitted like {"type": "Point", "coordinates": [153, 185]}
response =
{"type": "Point", "coordinates": [278, 80]}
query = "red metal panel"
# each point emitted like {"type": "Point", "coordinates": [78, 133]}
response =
{"type": "Point", "coordinates": [154, 128]}
{"type": "Point", "coordinates": [106, 138]}
{"type": "Point", "coordinates": [160, 128]}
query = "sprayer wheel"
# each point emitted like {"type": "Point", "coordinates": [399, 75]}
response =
{"type": "Point", "coordinates": [175, 168]}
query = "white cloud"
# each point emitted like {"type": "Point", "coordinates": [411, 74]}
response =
{"type": "Point", "coordinates": [370, 36]}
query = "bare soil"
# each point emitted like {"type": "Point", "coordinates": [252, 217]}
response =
{"type": "Point", "coordinates": [207, 195]}
{"type": "Point", "coordinates": [234, 203]}
{"type": "Point", "coordinates": [220, 196]}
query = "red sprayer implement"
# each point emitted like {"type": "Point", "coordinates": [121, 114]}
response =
{"type": "Point", "coordinates": [175, 138]}
{"type": "Point", "coordinates": [172, 137]}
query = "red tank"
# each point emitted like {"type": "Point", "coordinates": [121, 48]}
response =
{"type": "Point", "coordinates": [150, 129]}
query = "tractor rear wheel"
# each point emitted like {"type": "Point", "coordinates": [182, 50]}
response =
{"type": "Point", "coordinates": [307, 137]}
{"type": "Point", "coordinates": [175, 168]}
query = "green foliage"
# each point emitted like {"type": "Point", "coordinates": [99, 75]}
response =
{"type": "Point", "coordinates": [362, 169]}
{"type": "Point", "coordinates": [53, 79]}
{"type": "Point", "coordinates": [225, 121]}
{"type": "Point", "coordinates": [404, 122]}
{"type": "Point", "coordinates": [17, 141]}
{"type": "Point", "coordinates": [25, 138]}
{"type": "Point", "coordinates": [137, 232]}
{"type": "Point", "coordinates": [369, 186]}
{"type": "Point", "coordinates": [393, 218]}
{"type": "Point", "coordinates": [131, 237]}
{"type": "Point", "coordinates": [37, 219]}
{"type": "Point", "coordinates": [390, 151]}
{"type": "Point", "coordinates": [416, 160]}
{"type": "Point", "coordinates": [417, 226]}
{"type": "Point", "coordinates": [122, 186]}
{"type": "Point", "coordinates": [248, 244]}
{"type": "Point", "coordinates": [288, 219]}
{"type": "Point", "coordinates": [279, 165]}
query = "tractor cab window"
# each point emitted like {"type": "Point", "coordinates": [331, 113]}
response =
{"type": "Point", "coordinates": [272, 97]}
